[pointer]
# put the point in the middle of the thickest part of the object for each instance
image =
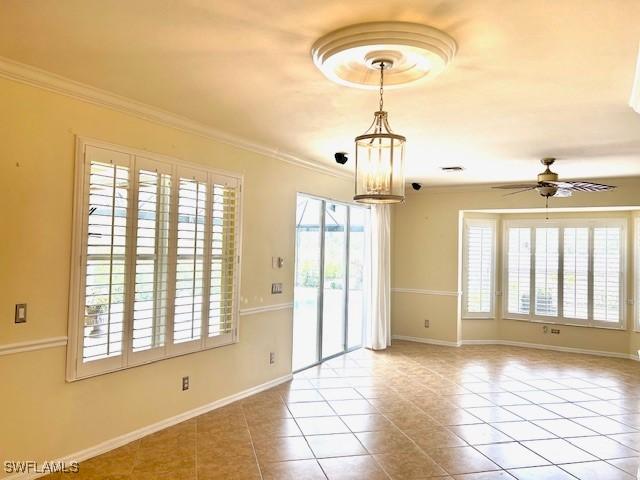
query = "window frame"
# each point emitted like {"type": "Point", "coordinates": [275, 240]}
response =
{"type": "Point", "coordinates": [635, 302]}
{"type": "Point", "coordinates": [76, 369]}
{"type": "Point", "coordinates": [561, 224]}
{"type": "Point", "coordinates": [492, 223]}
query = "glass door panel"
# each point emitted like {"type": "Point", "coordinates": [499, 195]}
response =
{"type": "Point", "coordinates": [329, 296]}
{"type": "Point", "coordinates": [335, 271]}
{"type": "Point", "coordinates": [309, 218]}
{"type": "Point", "coordinates": [357, 253]}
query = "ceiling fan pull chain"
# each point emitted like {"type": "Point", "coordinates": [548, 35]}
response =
{"type": "Point", "coordinates": [546, 207]}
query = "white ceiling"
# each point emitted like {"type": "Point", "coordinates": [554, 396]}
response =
{"type": "Point", "coordinates": [532, 78]}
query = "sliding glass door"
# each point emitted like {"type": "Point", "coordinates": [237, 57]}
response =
{"type": "Point", "coordinates": [334, 279]}
{"type": "Point", "coordinates": [330, 279]}
{"type": "Point", "coordinates": [309, 239]}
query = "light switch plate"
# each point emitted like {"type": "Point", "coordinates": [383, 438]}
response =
{"type": "Point", "coordinates": [21, 313]}
{"type": "Point", "coordinates": [276, 288]}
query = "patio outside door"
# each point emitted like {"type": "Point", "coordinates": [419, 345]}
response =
{"type": "Point", "coordinates": [329, 279]}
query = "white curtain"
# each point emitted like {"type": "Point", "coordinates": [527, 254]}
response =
{"type": "Point", "coordinates": [378, 318]}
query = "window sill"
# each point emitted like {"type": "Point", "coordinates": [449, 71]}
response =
{"type": "Point", "coordinates": [79, 375]}
{"type": "Point", "coordinates": [565, 324]}
{"type": "Point", "coordinates": [479, 318]}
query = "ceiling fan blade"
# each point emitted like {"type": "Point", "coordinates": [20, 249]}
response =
{"type": "Point", "coordinates": [580, 186]}
{"type": "Point", "coordinates": [563, 192]}
{"type": "Point", "coordinates": [515, 187]}
{"type": "Point", "coordinates": [521, 191]}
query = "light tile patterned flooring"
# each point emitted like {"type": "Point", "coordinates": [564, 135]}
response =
{"type": "Point", "coordinates": [412, 412]}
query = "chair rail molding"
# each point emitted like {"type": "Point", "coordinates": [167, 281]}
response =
{"type": "Point", "coordinates": [419, 291]}
{"type": "Point", "coordinates": [31, 345]}
{"type": "Point", "coordinates": [266, 308]}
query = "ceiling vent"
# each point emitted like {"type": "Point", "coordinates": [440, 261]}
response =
{"type": "Point", "coordinates": [452, 169]}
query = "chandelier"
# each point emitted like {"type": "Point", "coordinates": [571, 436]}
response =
{"type": "Point", "coordinates": [404, 53]}
{"type": "Point", "coordinates": [380, 156]}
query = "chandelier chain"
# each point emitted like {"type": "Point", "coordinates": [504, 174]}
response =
{"type": "Point", "coordinates": [381, 84]}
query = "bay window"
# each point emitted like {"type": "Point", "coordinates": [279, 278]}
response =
{"type": "Point", "coordinates": [573, 270]}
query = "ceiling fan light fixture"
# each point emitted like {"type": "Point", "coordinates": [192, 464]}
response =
{"type": "Point", "coordinates": [549, 185]}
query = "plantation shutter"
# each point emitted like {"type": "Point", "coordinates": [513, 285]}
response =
{"type": "Point", "coordinates": [546, 271]}
{"type": "Point", "coordinates": [155, 269]}
{"type": "Point", "coordinates": [151, 266]}
{"type": "Point", "coordinates": [519, 270]}
{"type": "Point", "coordinates": [576, 273]}
{"type": "Point", "coordinates": [190, 249]}
{"type": "Point", "coordinates": [479, 268]}
{"type": "Point", "coordinates": [224, 258]}
{"type": "Point", "coordinates": [607, 271]}
{"type": "Point", "coordinates": [105, 244]}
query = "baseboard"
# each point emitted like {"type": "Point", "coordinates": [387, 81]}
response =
{"type": "Point", "coordinates": [556, 348]}
{"type": "Point", "coordinates": [144, 431]}
{"type": "Point", "coordinates": [539, 346]}
{"type": "Point", "coordinates": [481, 342]}
{"type": "Point", "coordinates": [430, 341]}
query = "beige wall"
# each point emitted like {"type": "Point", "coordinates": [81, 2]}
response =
{"type": "Point", "coordinates": [42, 417]}
{"type": "Point", "coordinates": [426, 255]}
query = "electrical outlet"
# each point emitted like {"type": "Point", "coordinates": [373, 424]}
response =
{"type": "Point", "coordinates": [545, 329]}
{"type": "Point", "coordinates": [272, 358]}
{"type": "Point", "coordinates": [555, 331]}
{"type": "Point", "coordinates": [185, 383]}
{"type": "Point", "coordinates": [426, 323]}
{"type": "Point", "coordinates": [276, 288]}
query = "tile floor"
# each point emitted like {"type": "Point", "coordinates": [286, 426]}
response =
{"type": "Point", "coordinates": [412, 412]}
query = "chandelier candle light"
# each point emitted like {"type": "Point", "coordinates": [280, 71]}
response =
{"type": "Point", "coordinates": [380, 156]}
{"type": "Point", "coordinates": [402, 53]}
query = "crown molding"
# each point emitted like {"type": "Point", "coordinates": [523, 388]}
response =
{"type": "Point", "coordinates": [43, 79]}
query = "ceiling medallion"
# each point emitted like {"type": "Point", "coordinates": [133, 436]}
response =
{"type": "Point", "coordinates": [372, 55]}
{"type": "Point", "coordinates": [348, 56]}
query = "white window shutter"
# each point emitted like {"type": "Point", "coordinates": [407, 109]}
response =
{"type": "Point", "coordinates": [519, 270]}
{"type": "Point", "coordinates": [607, 270]}
{"type": "Point", "coordinates": [479, 268]}
{"type": "Point", "coordinates": [155, 259]}
{"type": "Point", "coordinates": [151, 268]}
{"type": "Point", "coordinates": [189, 282]}
{"type": "Point", "coordinates": [105, 244]}
{"type": "Point", "coordinates": [546, 271]}
{"type": "Point", "coordinates": [576, 272]}
{"type": "Point", "coordinates": [224, 200]}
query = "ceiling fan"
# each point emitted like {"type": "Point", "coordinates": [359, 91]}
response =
{"type": "Point", "coordinates": [548, 184]}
